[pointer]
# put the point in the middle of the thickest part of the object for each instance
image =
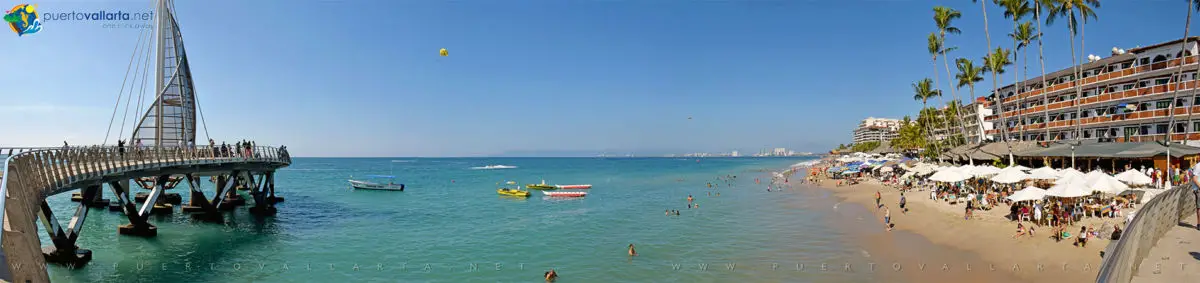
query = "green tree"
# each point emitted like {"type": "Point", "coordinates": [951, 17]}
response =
{"type": "Point", "coordinates": [968, 75]}
{"type": "Point", "coordinates": [943, 18]}
{"type": "Point", "coordinates": [1023, 35]}
{"type": "Point", "coordinates": [1015, 10]}
{"type": "Point", "coordinates": [935, 47]}
{"type": "Point", "coordinates": [923, 91]}
{"type": "Point", "coordinates": [994, 63]}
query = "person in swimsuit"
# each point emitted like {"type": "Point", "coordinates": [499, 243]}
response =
{"type": "Point", "coordinates": [887, 217]}
{"type": "Point", "coordinates": [551, 275]}
{"type": "Point", "coordinates": [690, 198]}
{"type": "Point", "coordinates": [1082, 242]}
{"type": "Point", "coordinates": [1020, 231]}
{"type": "Point", "coordinates": [631, 251]}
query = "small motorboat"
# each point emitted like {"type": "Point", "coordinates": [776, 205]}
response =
{"type": "Point", "coordinates": [542, 186]}
{"type": "Point", "coordinates": [512, 192]}
{"type": "Point", "coordinates": [566, 194]}
{"type": "Point", "coordinates": [573, 187]}
{"type": "Point", "coordinates": [367, 185]}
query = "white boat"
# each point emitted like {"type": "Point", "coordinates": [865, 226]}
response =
{"type": "Point", "coordinates": [573, 187]}
{"type": "Point", "coordinates": [565, 194]}
{"type": "Point", "coordinates": [367, 185]}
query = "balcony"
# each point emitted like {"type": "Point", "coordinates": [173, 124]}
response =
{"type": "Point", "coordinates": [1132, 116]}
{"type": "Point", "coordinates": [1103, 98]}
{"type": "Point", "coordinates": [1103, 77]}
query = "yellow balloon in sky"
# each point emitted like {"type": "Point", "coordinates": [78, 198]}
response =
{"type": "Point", "coordinates": [444, 52]}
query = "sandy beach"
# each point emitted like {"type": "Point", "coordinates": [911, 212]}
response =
{"type": "Point", "coordinates": [986, 239]}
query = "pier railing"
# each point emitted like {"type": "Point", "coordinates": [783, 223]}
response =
{"type": "Point", "coordinates": [29, 175]}
{"type": "Point", "coordinates": [1163, 212]}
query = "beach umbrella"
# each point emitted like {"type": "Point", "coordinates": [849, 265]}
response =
{"type": "Point", "coordinates": [1134, 177]}
{"type": "Point", "coordinates": [1045, 170]}
{"type": "Point", "coordinates": [1069, 190]}
{"type": "Point", "coordinates": [1042, 175]}
{"type": "Point", "coordinates": [949, 175]}
{"type": "Point", "coordinates": [1065, 171]}
{"type": "Point", "coordinates": [1019, 167]}
{"type": "Point", "coordinates": [1106, 184]}
{"type": "Point", "coordinates": [886, 169]}
{"type": "Point", "coordinates": [1010, 175]}
{"type": "Point", "coordinates": [1071, 178]}
{"type": "Point", "coordinates": [1028, 193]}
{"type": "Point", "coordinates": [985, 170]}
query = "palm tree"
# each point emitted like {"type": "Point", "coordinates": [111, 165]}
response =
{"type": "Point", "coordinates": [923, 91]}
{"type": "Point", "coordinates": [1024, 34]}
{"type": "Point", "coordinates": [934, 47]}
{"type": "Point", "coordinates": [1067, 8]}
{"type": "Point", "coordinates": [994, 63]}
{"type": "Point", "coordinates": [968, 75]}
{"type": "Point", "coordinates": [1037, 16]}
{"type": "Point", "coordinates": [1179, 82]}
{"type": "Point", "coordinates": [988, 36]}
{"type": "Point", "coordinates": [1015, 10]}
{"type": "Point", "coordinates": [944, 17]}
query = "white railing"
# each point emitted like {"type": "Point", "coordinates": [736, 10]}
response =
{"type": "Point", "coordinates": [1152, 221]}
{"type": "Point", "coordinates": [32, 174]}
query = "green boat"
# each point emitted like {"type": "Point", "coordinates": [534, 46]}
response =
{"type": "Point", "coordinates": [542, 186]}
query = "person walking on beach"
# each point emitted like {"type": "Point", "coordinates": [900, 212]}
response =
{"type": "Point", "coordinates": [887, 218]}
{"type": "Point", "coordinates": [903, 201]}
{"type": "Point", "coordinates": [878, 197]}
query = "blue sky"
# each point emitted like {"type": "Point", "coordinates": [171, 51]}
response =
{"type": "Point", "coordinates": [362, 78]}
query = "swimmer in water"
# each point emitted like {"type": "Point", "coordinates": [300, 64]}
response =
{"type": "Point", "coordinates": [631, 251]}
{"type": "Point", "coordinates": [551, 275]}
{"type": "Point", "coordinates": [690, 199]}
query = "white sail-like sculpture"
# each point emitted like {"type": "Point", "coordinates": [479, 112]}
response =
{"type": "Point", "coordinates": [170, 120]}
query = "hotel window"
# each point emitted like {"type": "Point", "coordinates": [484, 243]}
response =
{"type": "Point", "coordinates": [1180, 127]}
{"type": "Point", "coordinates": [1144, 106]}
{"type": "Point", "coordinates": [1112, 89]}
{"type": "Point", "coordinates": [1162, 81]}
{"type": "Point", "coordinates": [1144, 61]}
{"type": "Point", "coordinates": [1126, 65]}
{"type": "Point", "coordinates": [1160, 129]}
{"type": "Point", "coordinates": [1127, 87]}
{"type": "Point", "coordinates": [1162, 104]}
{"type": "Point", "coordinates": [1131, 131]}
{"type": "Point", "coordinates": [1180, 102]}
{"type": "Point", "coordinates": [1142, 84]}
{"type": "Point", "coordinates": [1145, 130]}
{"type": "Point", "coordinates": [1196, 126]}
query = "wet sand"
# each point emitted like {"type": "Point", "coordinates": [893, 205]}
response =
{"type": "Point", "coordinates": [937, 235]}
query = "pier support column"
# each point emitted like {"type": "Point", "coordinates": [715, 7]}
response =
{"type": "Point", "coordinates": [271, 186]}
{"type": "Point", "coordinates": [64, 251]}
{"type": "Point", "coordinates": [262, 205]}
{"type": "Point", "coordinates": [137, 220]}
{"type": "Point", "coordinates": [225, 184]}
{"type": "Point", "coordinates": [199, 204]}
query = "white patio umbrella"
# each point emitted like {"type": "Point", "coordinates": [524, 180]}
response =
{"type": "Point", "coordinates": [985, 170]}
{"type": "Point", "coordinates": [1106, 184]}
{"type": "Point", "coordinates": [1070, 175]}
{"type": "Point", "coordinates": [1019, 167]}
{"type": "Point", "coordinates": [885, 169]}
{"type": "Point", "coordinates": [1028, 193]}
{"type": "Point", "coordinates": [1010, 175]}
{"type": "Point", "coordinates": [950, 175]}
{"type": "Point", "coordinates": [1045, 171]}
{"type": "Point", "coordinates": [1065, 171]}
{"type": "Point", "coordinates": [1134, 177]}
{"type": "Point", "coordinates": [1069, 190]}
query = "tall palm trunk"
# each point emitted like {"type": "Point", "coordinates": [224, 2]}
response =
{"type": "Point", "coordinates": [1045, 88]}
{"type": "Point", "coordinates": [942, 101]}
{"type": "Point", "coordinates": [1017, 87]}
{"type": "Point", "coordinates": [995, 89]}
{"type": "Point", "coordinates": [1179, 84]}
{"type": "Point", "coordinates": [954, 92]}
{"type": "Point", "coordinates": [1024, 77]}
{"type": "Point", "coordinates": [1079, 79]}
{"type": "Point", "coordinates": [978, 118]}
{"type": "Point", "coordinates": [929, 128]}
{"type": "Point", "coordinates": [1075, 67]}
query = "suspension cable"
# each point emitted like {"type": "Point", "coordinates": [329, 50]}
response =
{"type": "Point", "coordinates": [142, 90]}
{"type": "Point", "coordinates": [112, 118]}
{"type": "Point", "coordinates": [139, 71]}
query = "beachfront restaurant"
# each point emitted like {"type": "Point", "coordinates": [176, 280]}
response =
{"type": "Point", "coordinates": [1087, 155]}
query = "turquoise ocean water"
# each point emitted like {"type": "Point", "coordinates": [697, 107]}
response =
{"type": "Point", "coordinates": [451, 226]}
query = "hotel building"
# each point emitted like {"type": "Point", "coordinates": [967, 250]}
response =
{"type": "Point", "coordinates": [877, 129]}
{"type": "Point", "coordinates": [1124, 97]}
{"type": "Point", "coordinates": [974, 115]}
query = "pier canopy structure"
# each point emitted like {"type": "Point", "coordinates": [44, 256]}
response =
{"type": "Point", "coordinates": [159, 153]}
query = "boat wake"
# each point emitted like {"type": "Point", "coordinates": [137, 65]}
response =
{"type": "Point", "coordinates": [489, 167]}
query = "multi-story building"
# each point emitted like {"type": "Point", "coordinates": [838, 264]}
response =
{"type": "Point", "coordinates": [974, 115]}
{"type": "Point", "coordinates": [733, 154]}
{"type": "Point", "coordinates": [1124, 97]}
{"type": "Point", "coordinates": [779, 151]}
{"type": "Point", "coordinates": [877, 129]}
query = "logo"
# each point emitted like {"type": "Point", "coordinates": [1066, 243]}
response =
{"type": "Point", "coordinates": [23, 19]}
